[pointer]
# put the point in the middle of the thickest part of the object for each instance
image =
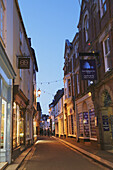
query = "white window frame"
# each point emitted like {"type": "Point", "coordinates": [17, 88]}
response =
{"type": "Point", "coordinates": [106, 54]}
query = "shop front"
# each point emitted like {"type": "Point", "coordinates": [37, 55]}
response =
{"type": "Point", "coordinates": [56, 127]}
{"type": "Point", "coordinates": [7, 75]}
{"type": "Point", "coordinates": [20, 120]}
{"type": "Point", "coordinates": [61, 125]}
{"type": "Point", "coordinates": [87, 121]}
{"type": "Point", "coordinates": [71, 122]}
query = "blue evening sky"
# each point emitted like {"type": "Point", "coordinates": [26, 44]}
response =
{"type": "Point", "coordinates": [49, 23]}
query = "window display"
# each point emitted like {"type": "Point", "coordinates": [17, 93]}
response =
{"type": "Point", "coordinates": [92, 123]}
{"type": "Point", "coordinates": [3, 121]}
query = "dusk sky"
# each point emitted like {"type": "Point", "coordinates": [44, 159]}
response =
{"type": "Point", "coordinates": [49, 23]}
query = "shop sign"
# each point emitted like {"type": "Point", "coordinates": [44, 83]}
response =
{"type": "Point", "coordinates": [105, 123]}
{"type": "Point", "coordinates": [88, 69]}
{"type": "Point", "coordinates": [23, 62]}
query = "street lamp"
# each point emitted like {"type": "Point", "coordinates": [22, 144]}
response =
{"type": "Point", "coordinates": [39, 92]}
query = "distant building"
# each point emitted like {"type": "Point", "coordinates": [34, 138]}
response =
{"type": "Point", "coordinates": [36, 121]}
{"type": "Point", "coordinates": [56, 114]}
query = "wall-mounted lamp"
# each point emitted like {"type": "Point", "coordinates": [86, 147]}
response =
{"type": "Point", "coordinates": [39, 92]}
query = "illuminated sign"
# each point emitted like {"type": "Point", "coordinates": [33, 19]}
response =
{"type": "Point", "coordinates": [23, 62]}
{"type": "Point", "coordinates": [88, 69]}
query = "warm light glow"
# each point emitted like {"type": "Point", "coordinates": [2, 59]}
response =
{"type": "Point", "coordinates": [39, 92]}
{"type": "Point", "coordinates": [14, 105]}
{"type": "Point", "coordinates": [84, 121]}
{"type": "Point", "coordinates": [89, 94]}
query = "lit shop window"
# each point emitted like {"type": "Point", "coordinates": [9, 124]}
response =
{"type": "Point", "coordinates": [107, 58]}
{"type": "Point", "coordinates": [3, 124]}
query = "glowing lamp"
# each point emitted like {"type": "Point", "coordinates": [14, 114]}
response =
{"type": "Point", "coordinates": [39, 92]}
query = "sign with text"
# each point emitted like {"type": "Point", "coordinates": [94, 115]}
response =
{"type": "Point", "coordinates": [88, 69]}
{"type": "Point", "coordinates": [105, 123]}
{"type": "Point", "coordinates": [23, 62]}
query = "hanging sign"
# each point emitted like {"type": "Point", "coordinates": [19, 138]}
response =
{"type": "Point", "coordinates": [88, 69]}
{"type": "Point", "coordinates": [23, 62]}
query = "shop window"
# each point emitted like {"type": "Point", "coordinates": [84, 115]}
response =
{"type": "Point", "coordinates": [18, 125]}
{"type": "Point", "coordinates": [14, 125]}
{"type": "Point", "coordinates": [72, 124]}
{"type": "Point", "coordinates": [81, 124]}
{"type": "Point", "coordinates": [107, 57]}
{"type": "Point", "coordinates": [3, 124]}
{"type": "Point", "coordinates": [28, 122]}
{"type": "Point", "coordinates": [92, 123]}
{"type": "Point", "coordinates": [86, 124]}
{"type": "Point", "coordinates": [21, 127]}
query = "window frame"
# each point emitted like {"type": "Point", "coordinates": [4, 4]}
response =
{"type": "Point", "coordinates": [106, 55]}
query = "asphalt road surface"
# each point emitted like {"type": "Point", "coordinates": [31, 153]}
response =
{"type": "Point", "coordinates": [50, 154]}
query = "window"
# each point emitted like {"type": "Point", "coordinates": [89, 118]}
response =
{"type": "Point", "coordinates": [76, 51]}
{"type": "Point", "coordinates": [86, 27]}
{"type": "Point", "coordinates": [103, 7]}
{"type": "Point", "coordinates": [106, 49]}
{"type": "Point", "coordinates": [21, 39]}
{"type": "Point", "coordinates": [78, 85]}
{"type": "Point", "coordinates": [3, 124]}
{"type": "Point", "coordinates": [69, 87]}
{"type": "Point", "coordinates": [2, 11]}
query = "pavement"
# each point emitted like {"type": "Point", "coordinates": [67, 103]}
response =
{"type": "Point", "coordinates": [101, 156]}
{"type": "Point", "coordinates": [17, 162]}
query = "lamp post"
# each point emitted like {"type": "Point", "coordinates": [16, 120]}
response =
{"type": "Point", "coordinates": [39, 92]}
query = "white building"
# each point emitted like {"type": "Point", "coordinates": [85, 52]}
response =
{"type": "Point", "coordinates": [16, 85]}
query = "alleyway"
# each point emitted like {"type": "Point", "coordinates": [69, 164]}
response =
{"type": "Point", "coordinates": [49, 154]}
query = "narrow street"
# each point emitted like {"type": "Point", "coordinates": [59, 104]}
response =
{"type": "Point", "coordinates": [50, 154]}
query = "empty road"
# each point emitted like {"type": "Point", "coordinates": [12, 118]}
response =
{"type": "Point", "coordinates": [50, 154]}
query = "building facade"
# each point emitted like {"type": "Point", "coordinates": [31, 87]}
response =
{"type": "Point", "coordinates": [7, 75]}
{"type": "Point", "coordinates": [56, 113]}
{"type": "Point", "coordinates": [24, 101]}
{"type": "Point", "coordinates": [17, 97]}
{"type": "Point", "coordinates": [92, 106]}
